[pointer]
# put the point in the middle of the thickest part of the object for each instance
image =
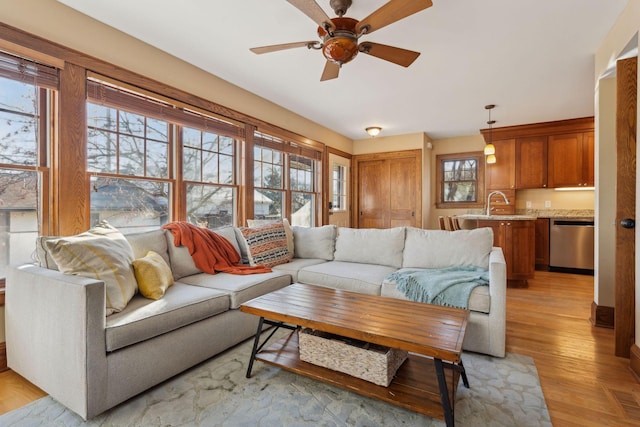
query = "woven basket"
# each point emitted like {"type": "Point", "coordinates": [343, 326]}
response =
{"type": "Point", "coordinates": [370, 362]}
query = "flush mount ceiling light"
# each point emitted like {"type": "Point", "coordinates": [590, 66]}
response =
{"type": "Point", "coordinates": [373, 131]}
{"type": "Point", "coordinates": [490, 149]}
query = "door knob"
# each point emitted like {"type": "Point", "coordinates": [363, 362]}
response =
{"type": "Point", "coordinates": [628, 223]}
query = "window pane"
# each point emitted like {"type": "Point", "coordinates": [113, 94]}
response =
{"type": "Point", "coordinates": [302, 209]}
{"type": "Point", "coordinates": [157, 129]}
{"type": "Point", "coordinates": [131, 123]}
{"type": "Point", "coordinates": [268, 204]}
{"type": "Point", "coordinates": [191, 164]}
{"type": "Point", "coordinates": [210, 206]}
{"type": "Point", "coordinates": [210, 167]}
{"type": "Point", "coordinates": [18, 96]}
{"type": "Point", "coordinates": [131, 205]}
{"type": "Point", "coordinates": [101, 151]}
{"type": "Point", "coordinates": [191, 137]}
{"type": "Point", "coordinates": [226, 170]}
{"type": "Point", "coordinates": [210, 141]}
{"type": "Point", "coordinates": [18, 217]}
{"type": "Point", "coordinates": [131, 156]}
{"type": "Point", "coordinates": [226, 145]}
{"type": "Point", "coordinates": [157, 159]}
{"type": "Point", "coordinates": [19, 139]}
{"type": "Point", "coordinates": [102, 117]}
{"type": "Point", "coordinates": [460, 192]}
{"type": "Point", "coordinates": [301, 173]}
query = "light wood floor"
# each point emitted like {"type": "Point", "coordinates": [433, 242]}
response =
{"type": "Point", "coordinates": [583, 382]}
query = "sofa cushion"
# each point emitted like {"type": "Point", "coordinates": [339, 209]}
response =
{"type": "Point", "coordinates": [43, 256]}
{"type": "Point", "coordinates": [143, 318]}
{"type": "Point", "coordinates": [241, 288]}
{"type": "Point", "coordinates": [370, 245]}
{"type": "Point", "coordinates": [154, 240]}
{"type": "Point", "coordinates": [153, 275]}
{"type": "Point", "coordinates": [100, 253]}
{"type": "Point", "coordinates": [295, 265]}
{"type": "Point", "coordinates": [363, 278]}
{"type": "Point", "coordinates": [266, 245]}
{"type": "Point", "coordinates": [314, 242]}
{"type": "Point", "coordinates": [440, 249]}
{"type": "Point", "coordinates": [479, 300]}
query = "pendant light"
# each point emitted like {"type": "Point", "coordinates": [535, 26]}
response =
{"type": "Point", "coordinates": [490, 149]}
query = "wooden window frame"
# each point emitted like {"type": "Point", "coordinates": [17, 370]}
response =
{"type": "Point", "coordinates": [478, 156]}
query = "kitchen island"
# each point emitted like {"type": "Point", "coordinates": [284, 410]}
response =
{"type": "Point", "coordinates": [516, 235]}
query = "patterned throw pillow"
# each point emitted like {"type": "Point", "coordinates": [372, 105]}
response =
{"type": "Point", "coordinates": [101, 253]}
{"type": "Point", "coordinates": [153, 275]}
{"type": "Point", "coordinates": [266, 245]}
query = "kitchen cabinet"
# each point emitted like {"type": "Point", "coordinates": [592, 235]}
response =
{"type": "Point", "coordinates": [502, 174]}
{"type": "Point", "coordinates": [542, 244]}
{"type": "Point", "coordinates": [531, 162]}
{"type": "Point", "coordinates": [517, 240]}
{"type": "Point", "coordinates": [571, 160]}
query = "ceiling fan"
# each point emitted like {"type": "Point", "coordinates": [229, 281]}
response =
{"type": "Point", "coordinates": [340, 35]}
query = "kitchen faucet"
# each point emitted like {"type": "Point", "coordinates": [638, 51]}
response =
{"type": "Point", "coordinates": [489, 200]}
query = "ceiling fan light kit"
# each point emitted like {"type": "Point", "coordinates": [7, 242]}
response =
{"type": "Point", "coordinates": [340, 35]}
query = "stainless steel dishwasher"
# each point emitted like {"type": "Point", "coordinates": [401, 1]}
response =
{"type": "Point", "coordinates": [571, 244]}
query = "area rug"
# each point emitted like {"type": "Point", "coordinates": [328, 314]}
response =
{"type": "Point", "coordinates": [504, 392]}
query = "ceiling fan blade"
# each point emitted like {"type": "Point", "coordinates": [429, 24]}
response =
{"type": "Point", "coordinates": [313, 11]}
{"type": "Point", "coordinates": [276, 47]}
{"type": "Point", "coordinates": [396, 55]}
{"type": "Point", "coordinates": [331, 71]}
{"type": "Point", "coordinates": [391, 12]}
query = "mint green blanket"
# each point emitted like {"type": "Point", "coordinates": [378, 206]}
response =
{"type": "Point", "coordinates": [446, 286]}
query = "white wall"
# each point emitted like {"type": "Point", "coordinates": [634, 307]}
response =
{"type": "Point", "coordinates": [623, 32]}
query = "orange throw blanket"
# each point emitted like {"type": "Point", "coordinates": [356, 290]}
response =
{"type": "Point", "coordinates": [210, 252]}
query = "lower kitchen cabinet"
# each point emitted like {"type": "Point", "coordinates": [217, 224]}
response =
{"type": "Point", "coordinates": [542, 244]}
{"type": "Point", "coordinates": [517, 240]}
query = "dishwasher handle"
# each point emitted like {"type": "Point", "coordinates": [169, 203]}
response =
{"type": "Point", "coordinates": [573, 223]}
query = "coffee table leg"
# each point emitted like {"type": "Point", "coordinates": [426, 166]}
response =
{"type": "Point", "coordinates": [255, 347]}
{"type": "Point", "coordinates": [444, 393]}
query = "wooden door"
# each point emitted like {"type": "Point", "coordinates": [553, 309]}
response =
{"type": "Point", "coordinates": [531, 162]}
{"type": "Point", "coordinates": [402, 204]}
{"type": "Point", "coordinates": [502, 174]}
{"type": "Point", "coordinates": [388, 189]}
{"type": "Point", "coordinates": [626, 117]}
{"type": "Point", "coordinates": [373, 188]}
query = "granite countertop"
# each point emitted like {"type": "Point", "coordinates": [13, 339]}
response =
{"type": "Point", "coordinates": [558, 213]}
{"type": "Point", "coordinates": [498, 217]}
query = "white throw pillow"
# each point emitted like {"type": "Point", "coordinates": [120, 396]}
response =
{"type": "Point", "coordinates": [314, 242]}
{"type": "Point", "coordinates": [101, 253]}
{"type": "Point", "coordinates": [440, 249]}
{"type": "Point", "coordinates": [370, 245]}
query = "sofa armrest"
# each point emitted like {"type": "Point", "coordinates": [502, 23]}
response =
{"type": "Point", "coordinates": [498, 291]}
{"type": "Point", "coordinates": [55, 329]}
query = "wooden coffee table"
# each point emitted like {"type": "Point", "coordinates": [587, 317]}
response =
{"type": "Point", "coordinates": [432, 334]}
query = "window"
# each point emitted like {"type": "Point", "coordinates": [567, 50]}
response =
{"type": "Point", "coordinates": [209, 168]}
{"type": "Point", "coordinates": [137, 185]}
{"type": "Point", "coordinates": [27, 92]}
{"type": "Point", "coordinates": [285, 176]}
{"type": "Point", "coordinates": [339, 182]}
{"type": "Point", "coordinates": [460, 180]}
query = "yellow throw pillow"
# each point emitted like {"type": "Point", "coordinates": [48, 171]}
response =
{"type": "Point", "coordinates": [153, 275]}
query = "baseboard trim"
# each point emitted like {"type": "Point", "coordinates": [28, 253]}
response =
{"type": "Point", "coordinates": [602, 316]}
{"type": "Point", "coordinates": [634, 361]}
{"type": "Point", "coordinates": [3, 356]}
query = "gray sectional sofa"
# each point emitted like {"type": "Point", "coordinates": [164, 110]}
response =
{"type": "Point", "coordinates": [59, 338]}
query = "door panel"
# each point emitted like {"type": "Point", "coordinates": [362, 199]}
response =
{"type": "Point", "coordinates": [402, 203]}
{"type": "Point", "coordinates": [373, 189]}
{"type": "Point", "coordinates": [626, 117]}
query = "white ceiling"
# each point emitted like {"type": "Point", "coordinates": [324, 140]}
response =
{"type": "Point", "coordinates": [533, 59]}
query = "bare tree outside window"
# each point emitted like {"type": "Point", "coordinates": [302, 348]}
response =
{"type": "Point", "coordinates": [460, 180]}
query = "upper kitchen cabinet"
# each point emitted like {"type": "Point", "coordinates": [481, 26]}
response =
{"type": "Point", "coordinates": [570, 160]}
{"type": "Point", "coordinates": [531, 162]}
{"type": "Point", "coordinates": [501, 175]}
{"type": "Point", "coordinates": [542, 155]}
